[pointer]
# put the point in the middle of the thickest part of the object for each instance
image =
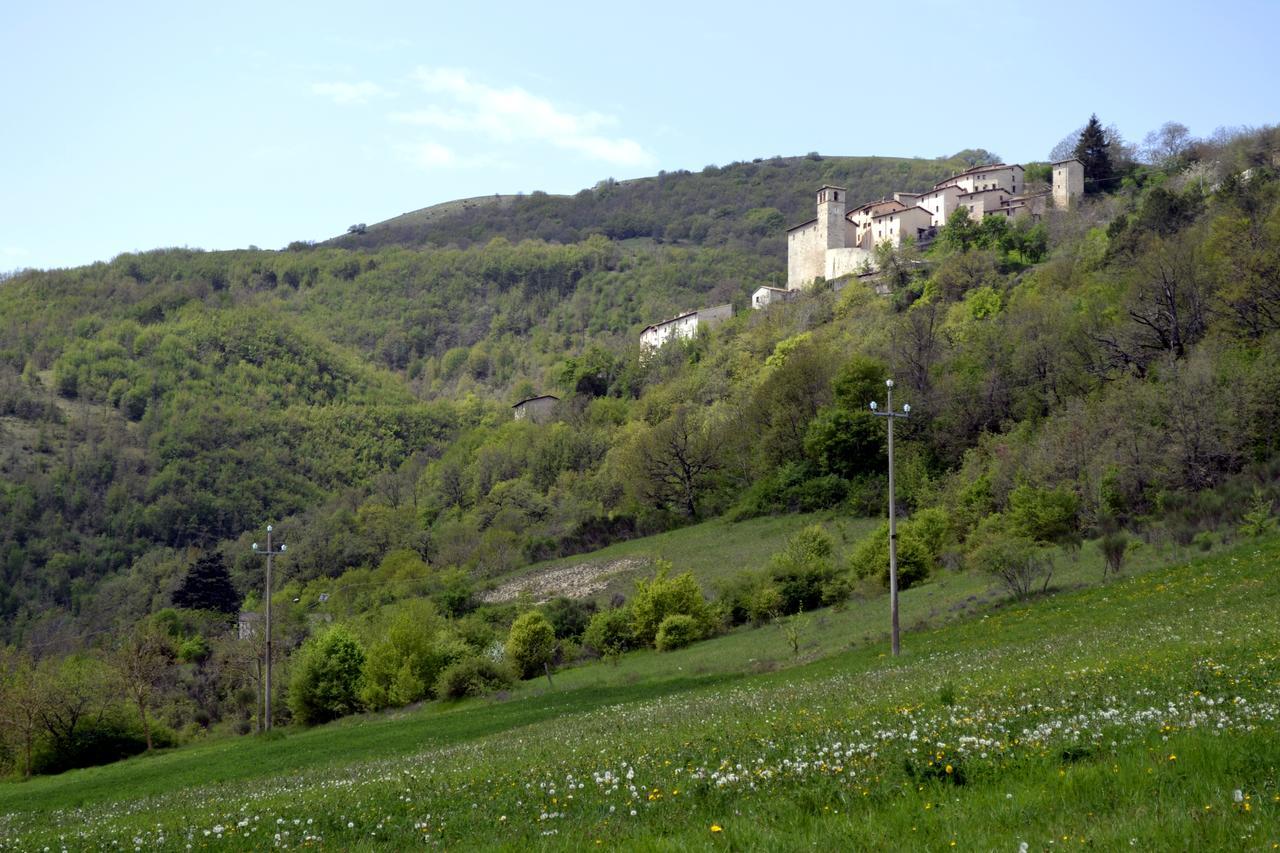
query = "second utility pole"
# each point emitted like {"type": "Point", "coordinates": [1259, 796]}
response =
{"type": "Point", "coordinates": [893, 516]}
{"type": "Point", "coordinates": [270, 554]}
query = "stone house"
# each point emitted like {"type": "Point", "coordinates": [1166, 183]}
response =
{"type": "Point", "coordinates": [247, 624]}
{"type": "Point", "coordinates": [683, 325]}
{"type": "Point", "coordinates": [539, 409]}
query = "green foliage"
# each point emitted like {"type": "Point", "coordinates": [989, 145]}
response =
{"type": "Point", "coordinates": [326, 677]}
{"type": "Point", "coordinates": [803, 572]}
{"type": "Point", "coordinates": [665, 595]}
{"type": "Point", "coordinates": [845, 443]}
{"type": "Point", "coordinates": [870, 557]}
{"type": "Point", "coordinates": [569, 616]}
{"type": "Point", "coordinates": [473, 675]}
{"type": "Point", "coordinates": [1047, 516]}
{"type": "Point", "coordinates": [402, 666]}
{"type": "Point", "coordinates": [1011, 557]}
{"type": "Point", "coordinates": [531, 645]}
{"type": "Point", "coordinates": [610, 632]}
{"type": "Point", "coordinates": [1259, 519]}
{"type": "Point", "coordinates": [1114, 546]}
{"type": "Point", "coordinates": [1093, 150]}
{"type": "Point", "coordinates": [677, 631]}
{"type": "Point", "coordinates": [207, 586]}
{"type": "Point", "coordinates": [102, 739]}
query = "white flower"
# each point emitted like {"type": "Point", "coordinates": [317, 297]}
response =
{"type": "Point", "coordinates": [1237, 795]}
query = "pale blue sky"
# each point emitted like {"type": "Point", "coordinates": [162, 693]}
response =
{"type": "Point", "coordinates": [130, 126]}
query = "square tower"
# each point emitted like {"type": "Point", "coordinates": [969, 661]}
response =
{"type": "Point", "coordinates": [831, 224]}
{"type": "Point", "coordinates": [1068, 182]}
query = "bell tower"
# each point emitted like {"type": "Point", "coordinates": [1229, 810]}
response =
{"type": "Point", "coordinates": [831, 225]}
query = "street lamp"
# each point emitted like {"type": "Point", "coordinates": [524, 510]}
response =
{"type": "Point", "coordinates": [270, 553]}
{"type": "Point", "coordinates": [893, 521]}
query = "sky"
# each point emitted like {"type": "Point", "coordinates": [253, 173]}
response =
{"type": "Point", "coordinates": [130, 126]}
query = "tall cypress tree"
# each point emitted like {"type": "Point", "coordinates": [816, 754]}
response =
{"type": "Point", "coordinates": [207, 586]}
{"type": "Point", "coordinates": [1092, 151]}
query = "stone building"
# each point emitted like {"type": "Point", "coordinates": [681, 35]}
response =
{"type": "Point", "coordinates": [837, 243]}
{"type": "Point", "coordinates": [247, 624]}
{"type": "Point", "coordinates": [539, 410]}
{"type": "Point", "coordinates": [683, 325]}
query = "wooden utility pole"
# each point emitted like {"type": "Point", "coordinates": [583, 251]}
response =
{"type": "Point", "coordinates": [270, 553]}
{"type": "Point", "coordinates": [893, 516]}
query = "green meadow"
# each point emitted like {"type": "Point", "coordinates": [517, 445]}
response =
{"type": "Point", "coordinates": [1139, 714]}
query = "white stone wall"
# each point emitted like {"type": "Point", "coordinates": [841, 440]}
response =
{"type": "Point", "coordinates": [806, 255]}
{"type": "Point", "coordinates": [982, 203]}
{"type": "Point", "coordinates": [940, 204]}
{"type": "Point", "coordinates": [680, 327]}
{"type": "Point", "coordinates": [766, 296]}
{"type": "Point", "coordinates": [892, 227]}
{"type": "Point", "coordinates": [847, 261]}
{"type": "Point", "coordinates": [1006, 177]}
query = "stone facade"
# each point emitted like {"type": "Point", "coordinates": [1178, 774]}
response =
{"type": "Point", "coordinates": [765, 296]}
{"type": "Point", "coordinates": [536, 409]}
{"type": "Point", "coordinates": [1068, 182]}
{"type": "Point", "coordinates": [683, 325]}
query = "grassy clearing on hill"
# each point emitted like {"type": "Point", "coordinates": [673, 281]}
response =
{"type": "Point", "coordinates": [1143, 712]}
{"type": "Point", "coordinates": [714, 551]}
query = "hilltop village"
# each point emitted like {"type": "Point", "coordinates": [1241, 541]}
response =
{"type": "Point", "coordinates": [838, 243]}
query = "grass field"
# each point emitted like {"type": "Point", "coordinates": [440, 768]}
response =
{"type": "Point", "coordinates": [1143, 714]}
{"type": "Point", "coordinates": [713, 550]}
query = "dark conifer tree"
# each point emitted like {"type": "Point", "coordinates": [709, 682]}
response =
{"type": "Point", "coordinates": [207, 586]}
{"type": "Point", "coordinates": [1093, 151]}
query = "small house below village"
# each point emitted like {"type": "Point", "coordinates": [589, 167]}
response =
{"type": "Point", "coordinates": [247, 624]}
{"type": "Point", "coordinates": [539, 410]}
{"type": "Point", "coordinates": [683, 325]}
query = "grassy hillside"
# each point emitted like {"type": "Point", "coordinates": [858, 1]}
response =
{"type": "Point", "coordinates": [715, 551]}
{"type": "Point", "coordinates": [1143, 712]}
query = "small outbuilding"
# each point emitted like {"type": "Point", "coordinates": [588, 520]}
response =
{"type": "Point", "coordinates": [537, 409]}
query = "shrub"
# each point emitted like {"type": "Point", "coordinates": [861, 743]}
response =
{"type": "Point", "coordinates": [531, 645]}
{"type": "Point", "coordinates": [474, 675]}
{"type": "Point", "coordinates": [569, 617]}
{"type": "Point", "coordinates": [403, 666]}
{"type": "Point", "coordinates": [1113, 546]}
{"type": "Point", "coordinates": [609, 632]}
{"type": "Point", "coordinates": [100, 740]}
{"type": "Point", "coordinates": [663, 596]}
{"type": "Point", "coordinates": [1259, 518]}
{"type": "Point", "coordinates": [1050, 516]}
{"type": "Point", "coordinates": [1013, 559]}
{"type": "Point", "coordinates": [676, 632]}
{"type": "Point", "coordinates": [871, 558]}
{"type": "Point", "coordinates": [803, 568]}
{"type": "Point", "coordinates": [326, 679]}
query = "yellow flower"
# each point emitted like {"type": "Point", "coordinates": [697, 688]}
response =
{"type": "Point", "coordinates": [715, 827]}
{"type": "Point", "coordinates": [1173, 757]}
{"type": "Point", "coordinates": [948, 768]}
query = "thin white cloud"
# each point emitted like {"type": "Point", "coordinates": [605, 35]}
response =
{"type": "Point", "coordinates": [349, 93]}
{"type": "Point", "coordinates": [432, 155]}
{"type": "Point", "coordinates": [429, 155]}
{"type": "Point", "coordinates": [514, 115]}
{"type": "Point", "coordinates": [13, 252]}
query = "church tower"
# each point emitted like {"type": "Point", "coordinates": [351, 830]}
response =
{"type": "Point", "coordinates": [832, 233]}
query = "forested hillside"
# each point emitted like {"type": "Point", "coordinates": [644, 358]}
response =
{"type": "Point", "coordinates": [745, 205]}
{"type": "Point", "coordinates": [1112, 372]}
